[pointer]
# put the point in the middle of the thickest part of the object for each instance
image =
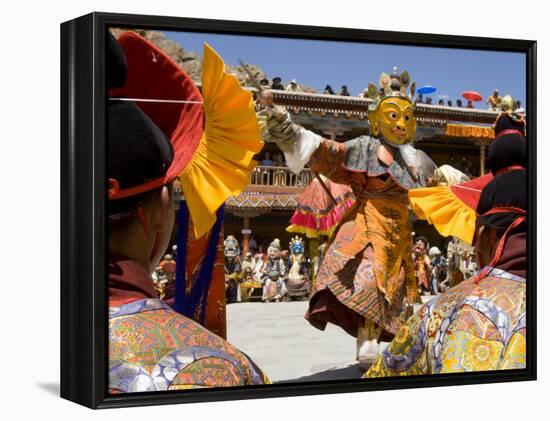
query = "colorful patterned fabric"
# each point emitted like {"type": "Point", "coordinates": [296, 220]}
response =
{"type": "Point", "coordinates": [368, 264]}
{"type": "Point", "coordinates": [317, 213]}
{"type": "Point", "coordinates": [152, 348]}
{"type": "Point", "coordinates": [472, 327]}
{"type": "Point", "coordinates": [360, 156]}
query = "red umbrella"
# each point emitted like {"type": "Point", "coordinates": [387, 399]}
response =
{"type": "Point", "coordinates": [472, 96]}
{"type": "Point", "coordinates": [316, 213]}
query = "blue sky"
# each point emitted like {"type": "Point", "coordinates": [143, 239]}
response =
{"type": "Point", "coordinates": [318, 63]}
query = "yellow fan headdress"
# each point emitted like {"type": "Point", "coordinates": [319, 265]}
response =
{"type": "Point", "coordinates": [222, 163]}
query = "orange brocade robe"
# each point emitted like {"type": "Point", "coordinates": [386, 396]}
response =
{"type": "Point", "coordinates": [367, 270]}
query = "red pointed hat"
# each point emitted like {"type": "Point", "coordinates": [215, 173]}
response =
{"type": "Point", "coordinates": [168, 96]}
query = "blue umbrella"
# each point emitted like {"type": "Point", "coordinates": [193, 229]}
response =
{"type": "Point", "coordinates": [428, 89]}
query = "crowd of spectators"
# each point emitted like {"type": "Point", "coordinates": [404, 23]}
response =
{"type": "Point", "coordinates": [293, 86]}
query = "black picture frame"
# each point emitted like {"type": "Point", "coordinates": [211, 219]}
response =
{"type": "Point", "coordinates": [83, 191]}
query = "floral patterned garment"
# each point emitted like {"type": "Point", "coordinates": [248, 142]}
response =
{"type": "Point", "coordinates": [368, 263]}
{"type": "Point", "coordinates": [472, 327]}
{"type": "Point", "coordinates": [153, 348]}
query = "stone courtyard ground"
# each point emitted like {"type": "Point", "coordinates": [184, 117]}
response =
{"type": "Point", "coordinates": [278, 338]}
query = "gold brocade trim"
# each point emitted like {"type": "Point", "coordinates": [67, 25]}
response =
{"type": "Point", "coordinates": [310, 232]}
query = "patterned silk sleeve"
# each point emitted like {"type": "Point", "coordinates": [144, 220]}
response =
{"type": "Point", "coordinates": [472, 327]}
{"type": "Point", "coordinates": [515, 352]}
{"type": "Point", "coordinates": [473, 342]}
{"type": "Point", "coordinates": [407, 354]}
{"type": "Point", "coordinates": [211, 372]}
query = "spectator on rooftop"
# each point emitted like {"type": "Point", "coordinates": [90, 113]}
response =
{"type": "Point", "coordinates": [459, 103]}
{"type": "Point", "coordinates": [429, 100]}
{"type": "Point", "coordinates": [519, 108]}
{"type": "Point", "coordinates": [494, 100]}
{"type": "Point", "coordinates": [419, 99]}
{"type": "Point", "coordinates": [264, 82]}
{"type": "Point", "coordinates": [292, 86]}
{"type": "Point", "coordinates": [328, 90]}
{"type": "Point", "coordinates": [276, 84]}
{"type": "Point", "coordinates": [344, 91]}
{"type": "Point", "coordinates": [470, 104]}
{"type": "Point", "coordinates": [441, 102]}
{"type": "Point", "coordinates": [449, 103]}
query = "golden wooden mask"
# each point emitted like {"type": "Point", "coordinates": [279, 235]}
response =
{"type": "Point", "coordinates": [393, 120]}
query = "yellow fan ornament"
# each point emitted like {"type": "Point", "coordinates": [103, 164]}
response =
{"type": "Point", "coordinates": [222, 163]}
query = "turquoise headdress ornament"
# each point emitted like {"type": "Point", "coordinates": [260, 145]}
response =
{"type": "Point", "coordinates": [393, 85]}
{"type": "Point", "coordinates": [296, 246]}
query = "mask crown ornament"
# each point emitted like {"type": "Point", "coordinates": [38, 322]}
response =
{"type": "Point", "coordinates": [391, 85]}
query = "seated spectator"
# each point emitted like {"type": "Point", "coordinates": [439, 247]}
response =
{"type": "Point", "coordinates": [292, 86]}
{"type": "Point", "coordinates": [266, 160]}
{"type": "Point", "coordinates": [328, 90]}
{"type": "Point", "coordinates": [264, 83]}
{"type": "Point", "coordinates": [344, 91]}
{"type": "Point", "coordinates": [449, 103]}
{"type": "Point", "coordinates": [276, 84]}
{"type": "Point", "coordinates": [441, 102]}
{"type": "Point", "coordinates": [470, 104]}
{"type": "Point", "coordinates": [429, 100]}
{"type": "Point", "coordinates": [497, 338]}
{"type": "Point", "coordinates": [252, 244]}
{"type": "Point", "coordinates": [278, 160]}
{"type": "Point", "coordinates": [279, 176]}
{"type": "Point", "coordinates": [459, 103]}
{"type": "Point", "coordinates": [419, 99]}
